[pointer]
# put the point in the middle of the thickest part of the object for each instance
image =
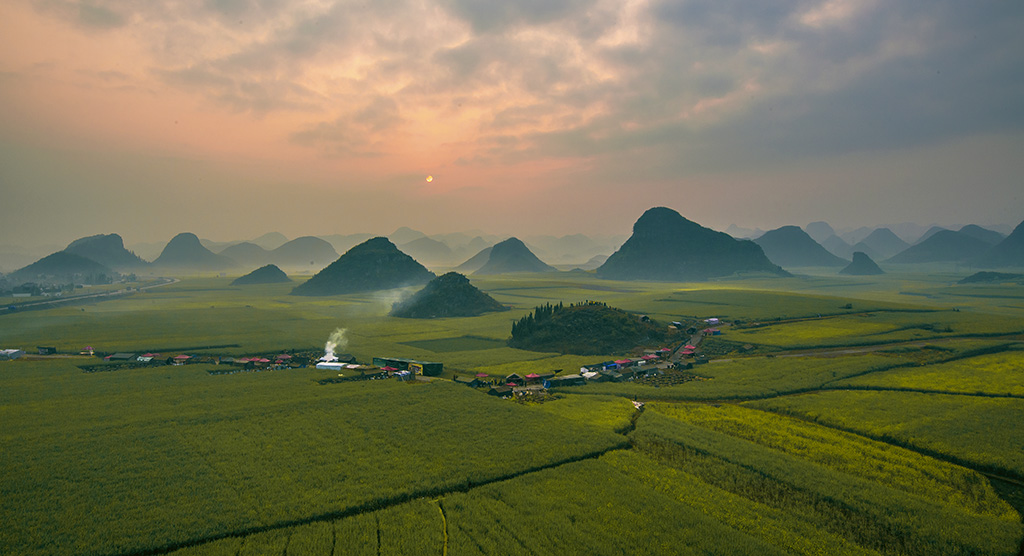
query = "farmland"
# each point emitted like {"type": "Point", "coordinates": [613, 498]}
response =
{"type": "Point", "coordinates": [862, 421]}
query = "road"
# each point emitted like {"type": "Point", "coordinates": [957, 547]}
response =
{"type": "Point", "coordinates": [99, 296]}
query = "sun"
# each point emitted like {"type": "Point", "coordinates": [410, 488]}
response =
{"type": "Point", "coordinates": [430, 179]}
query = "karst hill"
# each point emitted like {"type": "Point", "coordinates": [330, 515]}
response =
{"type": "Point", "coordinates": [667, 247]}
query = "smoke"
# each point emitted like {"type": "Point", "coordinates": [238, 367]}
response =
{"type": "Point", "coordinates": [336, 341]}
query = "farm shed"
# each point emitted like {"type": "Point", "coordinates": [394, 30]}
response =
{"type": "Point", "coordinates": [8, 354]}
{"type": "Point", "coordinates": [500, 391]}
{"type": "Point", "coordinates": [514, 378]}
{"type": "Point", "coordinates": [46, 350]}
{"type": "Point", "coordinates": [120, 356]}
{"type": "Point", "coordinates": [426, 368]}
{"type": "Point", "coordinates": [470, 381]}
{"type": "Point", "coordinates": [570, 380]}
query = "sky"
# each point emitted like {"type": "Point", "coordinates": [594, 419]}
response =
{"type": "Point", "coordinates": [232, 118]}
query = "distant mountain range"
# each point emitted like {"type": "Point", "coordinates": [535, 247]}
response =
{"type": "Point", "coordinates": [664, 246]}
{"type": "Point", "coordinates": [942, 246]}
{"type": "Point", "coordinates": [790, 246]}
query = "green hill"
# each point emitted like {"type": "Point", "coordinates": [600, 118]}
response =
{"type": "Point", "coordinates": [184, 251]}
{"type": "Point", "coordinates": [269, 274]}
{"type": "Point", "coordinates": [449, 295]}
{"type": "Point", "coordinates": [106, 249]}
{"type": "Point", "coordinates": [512, 255]}
{"type": "Point", "coordinates": [61, 267]}
{"type": "Point", "coordinates": [862, 265]}
{"type": "Point", "coordinates": [585, 329]}
{"type": "Point", "coordinates": [665, 246]}
{"type": "Point", "coordinates": [376, 264]}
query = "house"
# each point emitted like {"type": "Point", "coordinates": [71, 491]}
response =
{"type": "Point", "coordinates": [46, 350]}
{"type": "Point", "coordinates": [514, 378]}
{"type": "Point", "coordinates": [611, 376]}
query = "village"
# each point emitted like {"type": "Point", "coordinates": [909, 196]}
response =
{"type": "Point", "coordinates": [663, 366]}
{"type": "Point", "coordinates": [657, 366]}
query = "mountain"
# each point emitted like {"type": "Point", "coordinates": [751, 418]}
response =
{"type": "Point", "coordinates": [864, 248]}
{"type": "Point", "coordinates": [428, 250]}
{"type": "Point", "coordinates": [375, 264]}
{"type": "Point", "coordinates": [185, 252]}
{"type": "Point", "coordinates": [247, 254]}
{"type": "Point", "coordinates": [60, 267]}
{"type": "Point", "coordinates": [269, 274]}
{"type": "Point", "coordinates": [928, 234]}
{"type": "Point", "coordinates": [510, 256]}
{"type": "Point", "coordinates": [665, 246]}
{"type": "Point", "coordinates": [942, 246]}
{"type": "Point", "coordinates": [862, 265]}
{"type": "Point", "coordinates": [1009, 252]}
{"type": "Point", "coordinates": [449, 295]}
{"type": "Point", "coordinates": [270, 240]}
{"type": "Point", "coordinates": [476, 261]}
{"type": "Point", "coordinates": [984, 234]}
{"type": "Point", "coordinates": [405, 235]}
{"type": "Point", "coordinates": [304, 252]}
{"type": "Point", "coordinates": [837, 247]}
{"type": "Point", "coordinates": [791, 246]}
{"type": "Point", "coordinates": [819, 231]}
{"type": "Point", "coordinates": [108, 250]}
{"type": "Point", "coordinates": [881, 242]}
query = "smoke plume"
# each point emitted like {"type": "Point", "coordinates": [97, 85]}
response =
{"type": "Point", "coordinates": [336, 341]}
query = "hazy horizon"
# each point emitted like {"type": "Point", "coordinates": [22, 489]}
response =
{"type": "Point", "coordinates": [233, 118]}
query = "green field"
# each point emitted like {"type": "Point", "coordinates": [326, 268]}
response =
{"type": "Point", "coordinates": [863, 420]}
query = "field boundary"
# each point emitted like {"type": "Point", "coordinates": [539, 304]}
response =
{"type": "Point", "coordinates": [370, 506]}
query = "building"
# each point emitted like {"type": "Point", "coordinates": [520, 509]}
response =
{"type": "Point", "coordinates": [9, 354]}
{"type": "Point", "coordinates": [425, 368]}
{"type": "Point", "coordinates": [46, 350]}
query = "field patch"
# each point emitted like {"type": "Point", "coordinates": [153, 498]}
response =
{"type": "Point", "coordinates": [978, 431]}
{"type": "Point", "coordinates": [462, 343]}
{"type": "Point", "coordinates": [992, 374]}
{"type": "Point", "coordinates": [170, 455]}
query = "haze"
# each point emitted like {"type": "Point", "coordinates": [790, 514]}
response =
{"type": "Point", "coordinates": [231, 118]}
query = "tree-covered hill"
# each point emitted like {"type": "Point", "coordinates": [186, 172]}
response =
{"type": "Point", "coordinates": [449, 295]}
{"type": "Point", "coordinates": [589, 328]}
